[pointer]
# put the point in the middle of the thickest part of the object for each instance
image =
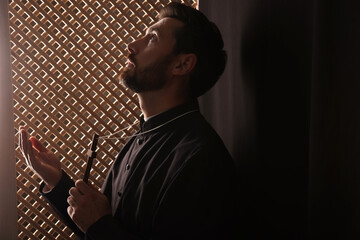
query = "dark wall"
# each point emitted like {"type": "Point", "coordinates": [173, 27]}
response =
{"type": "Point", "coordinates": [334, 164]}
{"type": "Point", "coordinates": [288, 109]}
{"type": "Point", "coordinates": [276, 57]}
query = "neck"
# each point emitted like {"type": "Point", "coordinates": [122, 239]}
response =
{"type": "Point", "coordinates": [152, 103]}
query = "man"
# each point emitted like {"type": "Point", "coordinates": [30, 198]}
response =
{"type": "Point", "coordinates": [174, 178]}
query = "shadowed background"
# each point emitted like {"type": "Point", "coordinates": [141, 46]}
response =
{"type": "Point", "coordinates": [288, 109]}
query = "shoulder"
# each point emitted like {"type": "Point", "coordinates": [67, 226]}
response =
{"type": "Point", "coordinates": [201, 143]}
{"type": "Point", "coordinates": [198, 132]}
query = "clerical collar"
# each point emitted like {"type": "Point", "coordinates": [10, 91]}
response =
{"type": "Point", "coordinates": [153, 124]}
{"type": "Point", "coordinates": [166, 116]}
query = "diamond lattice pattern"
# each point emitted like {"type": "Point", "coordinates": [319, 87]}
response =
{"type": "Point", "coordinates": [66, 58]}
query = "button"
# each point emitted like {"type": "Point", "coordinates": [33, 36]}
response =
{"type": "Point", "coordinates": [139, 141]}
{"type": "Point", "coordinates": [119, 194]}
{"type": "Point", "coordinates": [127, 167]}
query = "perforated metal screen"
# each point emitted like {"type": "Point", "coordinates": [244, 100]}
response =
{"type": "Point", "coordinates": [66, 59]}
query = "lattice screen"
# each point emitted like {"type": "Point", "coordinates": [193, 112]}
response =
{"type": "Point", "coordinates": [66, 59]}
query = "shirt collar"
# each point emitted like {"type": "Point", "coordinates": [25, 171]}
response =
{"type": "Point", "coordinates": [167, 115]}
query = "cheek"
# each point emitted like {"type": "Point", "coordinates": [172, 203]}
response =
{"type": "Point", "coordinates": [145, 59]}
{"type": "Point", "coordinates": [149, 56]}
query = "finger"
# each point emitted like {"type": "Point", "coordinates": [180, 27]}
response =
{"type": "Point", "coordinates": [26, 146]}
{"type": "Point", "coordinates": [25, 150]}
{"type": "Point", "coordinates": [22, 139]}
{"type": "Point", "coordinates": [31, 156]}
{"type": "Point", "coordinates": [83, 187]}
{"type": "Point", "coordinates": [72, 201]}
{"type": "Point", "coordinates": [70, 211]}
{"type": "Point", "coordinates": [38, 145]}
{"type": "Point", "coordinates": [22, 128]}
{"type": "Point", "coordinates": [75, 193]}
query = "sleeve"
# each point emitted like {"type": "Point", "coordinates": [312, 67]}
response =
{"type": "Point", "coordinates": [105, 228]}
{"type": "Point", "coordinates": [57, 199]}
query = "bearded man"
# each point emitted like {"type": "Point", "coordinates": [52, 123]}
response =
{"type": "Point", "coordinates": [174, 179]}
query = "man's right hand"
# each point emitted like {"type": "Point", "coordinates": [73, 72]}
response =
{"type": "Point", "coordinates": [40, 159]}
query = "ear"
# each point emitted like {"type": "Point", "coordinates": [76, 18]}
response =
{"type": "Point", "coordinates": [184, 64]}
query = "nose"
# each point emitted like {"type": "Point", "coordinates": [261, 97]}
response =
{"type": "Point", "coordinates": [131, 48]}
{"type": "Point", "coordinates": [137, 45]}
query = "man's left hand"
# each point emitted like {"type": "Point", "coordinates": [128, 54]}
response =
{"type": "Point", "coordinates": [87, 205]}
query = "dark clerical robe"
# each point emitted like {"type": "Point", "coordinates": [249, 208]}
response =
{"type": "Point", "coordinates": [173, 181]}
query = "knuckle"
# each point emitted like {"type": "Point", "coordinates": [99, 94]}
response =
{"type": "Point", "coordinates": [70, 211]}
{"type": "Point", "coordinates": [72, 190]}
{"type": "Point", "coordinates": [78, 182]}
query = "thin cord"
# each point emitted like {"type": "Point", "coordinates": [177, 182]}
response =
{"type": "Point", "coordinates": [109, 136]}
{"type": "Point", "coordinates": [141, 133]}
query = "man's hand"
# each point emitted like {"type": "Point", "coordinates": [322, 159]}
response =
{"type": "Point", "coordinates": [41, 160]}
{"type": "Point", "coordinates": [87, 205]}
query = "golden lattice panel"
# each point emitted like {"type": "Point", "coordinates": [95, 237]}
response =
{"type": "Point", "coordinates": [66, 59]}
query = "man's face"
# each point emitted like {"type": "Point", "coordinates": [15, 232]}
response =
{"type": "Point", "coordinates": [150, 57]}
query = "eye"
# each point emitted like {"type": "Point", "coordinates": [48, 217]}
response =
{"type": "Point", "coordinates": [152, 37]}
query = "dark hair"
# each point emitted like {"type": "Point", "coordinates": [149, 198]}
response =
{"type": "Point", "coordinates": [201, 37]}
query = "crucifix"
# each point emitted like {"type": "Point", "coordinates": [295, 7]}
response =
{"type": "Point", "coordinates": [91, 153]}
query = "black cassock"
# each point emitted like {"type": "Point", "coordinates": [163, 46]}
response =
{"type": "Point", "coordinates": [174, 182]}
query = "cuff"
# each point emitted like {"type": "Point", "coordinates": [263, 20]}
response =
{"type": "Point", "coordinates": [61, 189]}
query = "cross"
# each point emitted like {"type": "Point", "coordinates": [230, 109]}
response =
{"type": "Point", "coordinates": [91, 153]}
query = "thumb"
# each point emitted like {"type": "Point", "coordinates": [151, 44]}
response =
{"type": "Point", "coordinates": [37, 144]}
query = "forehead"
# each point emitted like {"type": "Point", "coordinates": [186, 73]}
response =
{"type": "Point", "coordinates": [166, 26]}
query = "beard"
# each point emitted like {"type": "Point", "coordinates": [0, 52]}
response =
{"type": "Point", "coordinates": [150, 78]}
